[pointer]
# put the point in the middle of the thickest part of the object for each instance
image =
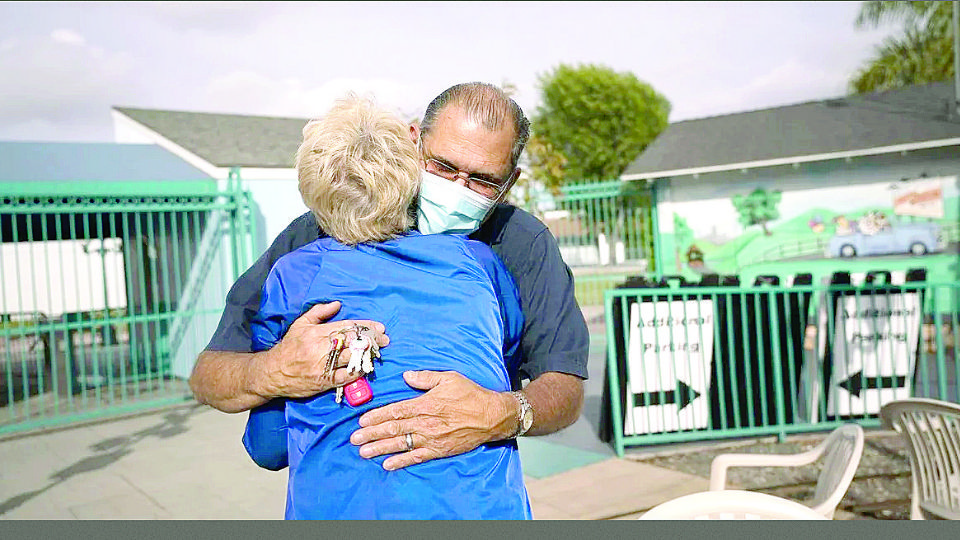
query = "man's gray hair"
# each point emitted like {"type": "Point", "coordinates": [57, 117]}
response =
{"type": "Point", "coordinates": [488, 105]}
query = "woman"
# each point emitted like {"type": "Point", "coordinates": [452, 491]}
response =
{"type": "Point", "coordinates": [446, 301]}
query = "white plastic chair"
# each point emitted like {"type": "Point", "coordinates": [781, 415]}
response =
{"type": "Point", "coordinates": [730, 504]}
{"type": "Point", "coordinates": [841, 452]}
{"type": "Point", "coordinates": [931, 429]}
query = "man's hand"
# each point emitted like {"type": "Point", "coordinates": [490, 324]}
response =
{"type": "Point", "coordinates": [455, 416]}
{"type": "Point", "coordinates": [236, 382]}
{"type": "Point", "coordinates": [295, 366]}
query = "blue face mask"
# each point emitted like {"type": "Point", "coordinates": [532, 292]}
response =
{"type": "Point", "coordinates": [448, 207]}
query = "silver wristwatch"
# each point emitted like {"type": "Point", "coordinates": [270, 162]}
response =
{"type": "Point", "coordinates": [525, 416]}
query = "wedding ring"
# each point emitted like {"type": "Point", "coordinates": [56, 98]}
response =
{"type": "Point", "coordinates": [409, 438]}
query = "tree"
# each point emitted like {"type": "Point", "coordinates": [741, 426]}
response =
{"type": "Point", "coordinates": [544, 171]}
{"type": "Point", "coordinates": [591, 123]}
{"type": "Point", "coordinates": [921, 53]}
{"type": "Point", "coordinates": [524, 190]}
{"type": "Point", "coordinates": [682, 236]}
{"type": "Point", "coordinates": [681, 231]}
{"type": "Point", "coordinates": [546, 163]}
{"type": "Point", "coordinates": [757, 208]}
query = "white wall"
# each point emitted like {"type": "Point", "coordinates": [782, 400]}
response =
{"type": "Point", "coordinates": [278, 201]}
{"type": "Point", "coordinates": [58, 277]}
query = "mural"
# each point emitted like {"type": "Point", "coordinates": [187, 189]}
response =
{"type": "Point", "coordinates": [763, 230]}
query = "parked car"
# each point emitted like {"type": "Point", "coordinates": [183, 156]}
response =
{"type": "Point", "coordinates": [914, 238]}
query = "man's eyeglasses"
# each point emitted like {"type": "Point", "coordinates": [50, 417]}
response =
{"type": "Point", "coordinates": [484, 184]}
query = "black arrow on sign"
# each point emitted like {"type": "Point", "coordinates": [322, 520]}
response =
{"type": "Point", "coordinates": [685, 394]}
{"type": "Point", "coordinates": [858, 382]}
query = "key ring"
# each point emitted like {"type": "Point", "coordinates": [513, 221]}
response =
{"type": "Point", "coordinates": [342, 332]}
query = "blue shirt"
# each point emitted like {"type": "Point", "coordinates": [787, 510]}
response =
{"type": "Point", "coordinates": [448, 304]}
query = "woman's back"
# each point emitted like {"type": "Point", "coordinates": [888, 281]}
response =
{"type": "Point", "coordinates": [447, 304]}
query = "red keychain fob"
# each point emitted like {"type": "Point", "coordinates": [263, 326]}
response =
{"type": "Point", "coordinates": [358, 392]}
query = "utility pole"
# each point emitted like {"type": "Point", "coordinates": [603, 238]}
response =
{"type": "Point", "coordinates": [102, 250]}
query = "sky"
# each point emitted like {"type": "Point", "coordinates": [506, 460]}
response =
{"type": "Point", "coordinates": [64, 65]}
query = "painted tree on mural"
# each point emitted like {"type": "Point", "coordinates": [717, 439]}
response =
{"type": "Point", "coordinates": [682, 232]}
{"type": "Point", "coordinates": [757, 208]}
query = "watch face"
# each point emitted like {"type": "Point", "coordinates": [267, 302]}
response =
{"type": "Point", "coordinates": [527, 419]}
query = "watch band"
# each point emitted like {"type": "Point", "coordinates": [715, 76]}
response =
{"type": "Point", "coordinates": [525, 413]}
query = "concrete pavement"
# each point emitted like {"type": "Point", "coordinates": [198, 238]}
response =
{"type": "Point", "coordinates": [187, 462]}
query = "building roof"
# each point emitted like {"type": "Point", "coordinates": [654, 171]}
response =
{"type": "Point", "coordinates": [227, 140]}
{"type": "Point", "coordinates": [33, 162]}
{"type": "Point", "coordinates": [826, 129]}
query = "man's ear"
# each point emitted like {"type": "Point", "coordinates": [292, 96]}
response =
{"type": "Point", "coordinates": [512, 179]}
{"type": "Point", "coordinates": [509, 184]}
{"type": "Point", "coordinates": [415, 131]}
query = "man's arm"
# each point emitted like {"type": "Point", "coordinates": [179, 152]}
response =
{"type": "Point", "coordinates": [556, 398]}
{"type": "Point", "coordinates": [222, 379]}
{"type": "Point", "coordinates": [235, 382]}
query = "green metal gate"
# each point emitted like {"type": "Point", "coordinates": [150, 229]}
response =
{"type": "Point", "coordinates": [107, 300]}
{"type": "Point", "coordinates": [696, 363]}
{"type": "Point", "coordinates": [605, 232]}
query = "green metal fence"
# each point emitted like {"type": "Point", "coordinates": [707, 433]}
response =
{"type": "Point", "coordinates": [712, 362]}
{"type": "Point", "coordinates": [605, 233]}
{"type": "Point", "coordinates": [107, 300]}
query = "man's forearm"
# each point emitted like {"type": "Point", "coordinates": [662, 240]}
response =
{"type": "Point", "coordinates": [224, 380]}
{"type": "Point", "coordinates": [295, 367]}
{"type": "Point", "coordinates": [557, 399]}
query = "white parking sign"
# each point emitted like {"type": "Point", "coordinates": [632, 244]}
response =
{"type": "Point", "coordinates": [669, 358]}
{"type": "Point", "coordinates": [874, 351]}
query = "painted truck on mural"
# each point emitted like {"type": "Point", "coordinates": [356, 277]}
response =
{"type": "Point", "coordinates": [875, 234]}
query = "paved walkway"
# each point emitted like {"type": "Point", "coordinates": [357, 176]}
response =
{"type": "Point", "coordinates": [187, 463]}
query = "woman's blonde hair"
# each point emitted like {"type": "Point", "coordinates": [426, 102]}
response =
{"type": "Point", "coordinates": [358, 172]}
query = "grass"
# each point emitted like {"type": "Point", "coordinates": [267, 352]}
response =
{"type": "Point", "coordinates": [589, 289]}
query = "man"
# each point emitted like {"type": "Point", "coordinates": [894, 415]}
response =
{"type": "Point", "coordinates": [472, 134]}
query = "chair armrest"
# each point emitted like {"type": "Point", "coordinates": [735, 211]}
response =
{"type": "Point", "coordinates": [720, 464]}
{"type": "Point", "coordinates": [932, 510]}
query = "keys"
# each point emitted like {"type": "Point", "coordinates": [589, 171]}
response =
{"type": "Point", "coordinates": [363, 351]}
{"type": "Point", "coordinates": [337, 342]}
{"type": "Point", "coordinates": [374, 348]}
{"type": "Point", "coordinates": [360, 355]}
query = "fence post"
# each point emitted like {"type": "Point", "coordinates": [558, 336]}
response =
{"type": "Point", "coordinates": [616, 414]}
